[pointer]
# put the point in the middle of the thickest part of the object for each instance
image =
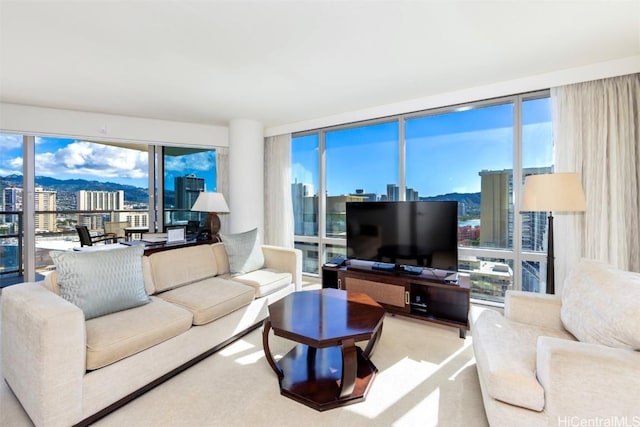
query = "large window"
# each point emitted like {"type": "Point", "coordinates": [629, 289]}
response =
{"type": "Point", "coordinates": [187, 172]}
{"type": "Point", "coordinates": [361, 166]}
{"type": "Point", "coordinates": [102, 185]}
{"type": "Point", "coordinates": [467, 153]}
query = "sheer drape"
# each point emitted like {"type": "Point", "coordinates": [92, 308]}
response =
{"type": "Point", "coordinates": [222, 183]}
{"type": "Point", "coordinates": [597, 134]}
{"type": "Point", "coordinates": [278, 207]}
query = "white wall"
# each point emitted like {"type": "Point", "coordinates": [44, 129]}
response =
{"type": "Point", "coordinates": [526, 84]}
{"type": "Point", "coordinates": [246, 176]}
{"type": "Point", "coordinates": [28, 120]}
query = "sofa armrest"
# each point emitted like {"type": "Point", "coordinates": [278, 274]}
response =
{"type": "Point", "coordinates": [284, 259]}
{"type": "Point", "coordinates": [588, 380]}
{"type": "Point", "coordinates": [534, 309]}
{"type": "Point", "coordinates": [43, 353]}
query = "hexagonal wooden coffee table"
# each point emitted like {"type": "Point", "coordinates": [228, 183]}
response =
{"type": "Point", "coordinates": [326, 369]}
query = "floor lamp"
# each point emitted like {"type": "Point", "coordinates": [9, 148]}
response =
{"type": "Point", "coordinates": [559, 192]}
{"type": "Point", "coordinates": [213, 203]}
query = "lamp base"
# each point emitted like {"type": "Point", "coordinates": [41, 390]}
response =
{"type": "Point", "coordinates": [212, 222]}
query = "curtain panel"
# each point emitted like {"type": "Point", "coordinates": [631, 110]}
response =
{"type": "Point", "coordinates": [597, 134]}
{"type": "Point", "coordinates": [278, 206]}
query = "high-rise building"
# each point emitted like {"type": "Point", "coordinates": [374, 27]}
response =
{"type": "Point", "coordinates": [411, 195]}
{"type": "Point", "coordinates": [97, 201]}
{"type": "Point", "coordinates": [45, 200]}
{"type": "Point", "coordinates": [497, 219]}
{"type": "Point", "coordinates": [393, 192]}
{"type": "Point", "coordinates": [497, 212]}
{"type": "Point", "coordinates": [187, 189]}
{"type": "Point", "coordinates": [100, 200]}
{"type": "Point", "coordinates": [12, 198]}
{"type": "Point", "coordinates": [302, 198]}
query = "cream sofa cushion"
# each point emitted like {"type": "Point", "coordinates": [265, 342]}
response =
{"type": "Point", "coordinates": [600, 305]}
{"type": "Point", "coordinates": [118, 335]}
{"type": "Point", "coordinates": [171, 269]}
{"type": "Point", "coordinates": [264, 281]}
{"type": "Point", "coordinates": [210, 299]}
{"type": "Point", "coordinates": [507, 352]}
{"type": "Point", "coordinates": [220, 255]}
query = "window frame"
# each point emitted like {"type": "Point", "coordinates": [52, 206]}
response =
{"type": "Point", "coordinates": [516, 254]}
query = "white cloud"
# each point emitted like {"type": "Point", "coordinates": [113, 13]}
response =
{"type": "Point", "coordinates": [9, 141]}
{"type": "Point", "coordinates": [100, 161]}
{"type": "Point", "coordinates": [202, 161]}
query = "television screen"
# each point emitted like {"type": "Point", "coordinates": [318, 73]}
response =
{"type": "Point", "coordinates": [423, 234]}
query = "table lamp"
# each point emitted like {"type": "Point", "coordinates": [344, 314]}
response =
{"type": "Point", "coordinates": [213, 203]}
{"type": "Point", "coordinates": [560, 192]}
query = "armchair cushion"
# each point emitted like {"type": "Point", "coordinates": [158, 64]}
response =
{"type": "Point", "coordinates": [507, 352]}
{"type": "Point", "coordinates": [600, 305]}
{"type": "Point", "coordinates": [101, 282]}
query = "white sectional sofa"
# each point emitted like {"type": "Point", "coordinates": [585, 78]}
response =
{"type": "Point", "coordinates": [66, 370]}
{"type": "Point", "coordinates": [569, 359]}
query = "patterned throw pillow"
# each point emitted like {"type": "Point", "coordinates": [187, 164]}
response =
{"type": "Point", "coordinates": [601, 305]}
{"type": "Point", "coordinates": [244, 251]}
{"type": "Point", "coordinates": [101, 282]}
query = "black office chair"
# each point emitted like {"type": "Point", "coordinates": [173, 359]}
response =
{"type": "Point", "coordinates": [86, 239]}
{"type": "Point", "coordinates": [193, 227]}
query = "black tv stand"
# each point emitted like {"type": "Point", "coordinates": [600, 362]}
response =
{"type": "Point", "coordinates": [426, 296]}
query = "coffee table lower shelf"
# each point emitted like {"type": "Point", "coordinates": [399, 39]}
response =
{"type": "Point", "coordinates": [312, 377]}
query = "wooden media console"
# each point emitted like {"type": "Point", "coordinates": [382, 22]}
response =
{"type": "Point", "coordinates": [425, 296]}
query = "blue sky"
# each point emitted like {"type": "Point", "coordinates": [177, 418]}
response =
{"type": "Point", "coordinates": [73, 159]}
{"type": "Point", "coordinates": [444, 153]}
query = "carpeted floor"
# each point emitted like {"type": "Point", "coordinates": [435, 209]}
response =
{"type": "Point", "coordinates": [427, 377]}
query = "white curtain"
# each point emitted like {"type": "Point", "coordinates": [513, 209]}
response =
{"type": "Point", "coordinates": [222, 183]}
{"type": "Point", "coordinates": [597, 134]}
{"type": "Point", "coordinates": [278, 207]}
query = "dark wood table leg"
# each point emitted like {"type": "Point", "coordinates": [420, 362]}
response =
{"type": "Point", "coordinates": [267, 352]}
{"type": "Point", "coordinates": [349, 367]}
{"type": "Point", "coordinates": [372, 343]}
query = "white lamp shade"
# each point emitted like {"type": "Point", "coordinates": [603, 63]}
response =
{"type": "Point", "coordinates": [210, 202]}
{"type": "Point", "coordinates": [558, 192]}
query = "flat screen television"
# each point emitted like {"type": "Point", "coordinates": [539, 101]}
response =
{"type": "Point", "coordinates": [419, 233]}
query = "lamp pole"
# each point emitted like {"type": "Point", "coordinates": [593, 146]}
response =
{"type": "Point", "coordinates": [551, 289]}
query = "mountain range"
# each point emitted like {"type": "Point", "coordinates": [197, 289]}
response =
{"type": "Point", "coordinates": [66, 189]}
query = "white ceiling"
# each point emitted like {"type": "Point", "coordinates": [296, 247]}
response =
{"type": "Point", "coordinates": [280, 62]}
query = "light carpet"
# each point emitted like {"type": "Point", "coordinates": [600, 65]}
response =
{"type": "Point", "coordinates": [427, 377]}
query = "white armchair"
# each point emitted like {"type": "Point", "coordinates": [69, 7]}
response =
{"type": "Point", "coordinates": [542, 362]}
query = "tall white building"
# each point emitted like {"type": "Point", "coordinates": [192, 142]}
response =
{"type": "Point", "coordinates": [45, 200]}
{"type": "Point", "coordinates": [100, 200]}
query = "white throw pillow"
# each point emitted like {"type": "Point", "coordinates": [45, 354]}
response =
{"type": "Point", "coordinates": [101, 282]}
{"type": "Point", "coordinates": [244, 251]}
{"type": "Point", "coordinates": [601, 305]}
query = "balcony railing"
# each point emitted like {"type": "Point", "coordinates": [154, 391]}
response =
{"type": "Point", "coordinates": [55, 230]}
